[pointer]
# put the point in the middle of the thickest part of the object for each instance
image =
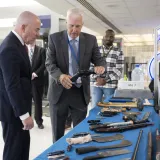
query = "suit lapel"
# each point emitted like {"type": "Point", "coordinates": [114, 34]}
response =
{"type": "Point", "coordinates": [64, 45]}
{"type": "Point", "coordinates": [22, 50]}
{"type": "Point", "coordinates": [81, 48]}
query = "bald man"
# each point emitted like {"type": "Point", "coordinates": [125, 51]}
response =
{"type": "Point", "coordinates": [15, 87]}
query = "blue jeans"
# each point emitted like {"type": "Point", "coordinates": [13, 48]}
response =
{"type": "Point", "coordinates": [97, 94]}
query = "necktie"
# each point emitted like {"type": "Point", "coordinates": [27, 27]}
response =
{"type": "Point", "coordinates": [75, 66]}
{"type": "Point", "coordinates": [31, 55]}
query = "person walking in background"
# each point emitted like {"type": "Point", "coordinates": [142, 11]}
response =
{"type": "Point", "coordinates": [114, 66]}
{"type": "Point", "coordinates": [70, 51]}
{"type": "Point", "coordinates": [15, 87]}
{"type": "Point", "coordinates": [37, 58]}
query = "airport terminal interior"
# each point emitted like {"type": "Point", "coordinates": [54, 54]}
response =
{"type": "Point", "coordinates": [136, 24]}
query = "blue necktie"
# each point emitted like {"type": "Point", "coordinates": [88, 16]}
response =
{"type": "Point", "coordinates": [75, 66]}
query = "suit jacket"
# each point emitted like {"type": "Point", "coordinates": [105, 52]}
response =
{"type": "Point", "coordinates": [57, 61]}
{"type": "Point", "coordinates": [15, 80]}
{"type": "Point", "coordinates": [38, 65]}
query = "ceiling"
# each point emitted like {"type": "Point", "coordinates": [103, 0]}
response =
{"type": "Point", "coordinates": [136, 19]}
{"type": "Point", "coordinates": [129, 16]}
{"type": "Point", "coordinates": [9, 11]}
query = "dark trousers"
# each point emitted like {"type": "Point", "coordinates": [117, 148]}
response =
{"type": "Point", "coordinates": [16, 142]}
{"type": "Point", "coordinates": [37, 93]}
{"type": "Point", "coordinates": [73, 100]}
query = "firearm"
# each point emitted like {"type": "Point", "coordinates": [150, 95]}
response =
{"type": "Point", "coordinates": [149, 146]}
{"type": "Point", "coordinates": [85, 73]}
{"type": "Point", "coordinates": [123, 128]}
{"type": "Point", "coordinates": [108, 125]}
{"type": "Point", "coordinates": [130, 117]}
{"type": "Point", "coordinates": [144, 119]}
{"type": "Point", "coordinates": [137, 145]}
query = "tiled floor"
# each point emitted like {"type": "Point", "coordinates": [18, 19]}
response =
{"type": "Point", "coordinates": [39, 137]}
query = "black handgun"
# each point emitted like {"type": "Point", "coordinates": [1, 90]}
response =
{"type": "Point", "coordinates": [85, 73]}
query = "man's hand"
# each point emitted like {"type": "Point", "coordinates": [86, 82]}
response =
{"type": "Point", "coordinates": [28, 123]}
{"type": "Point", "coordinates": [100, 81]}
{"type": "Point", "coordinates": [34, 75]}
{"type": "Point", "coordinates": [99, 70]}
{"type": "Point", "coordinates": [65, 81]}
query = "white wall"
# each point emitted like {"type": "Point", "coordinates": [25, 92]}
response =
{"type": "Point", "coordinates": [54, 22]}
{"type": "Point", "coordinates": [142, 54]}
{"type": "Point", "coordinates": [4, 32]}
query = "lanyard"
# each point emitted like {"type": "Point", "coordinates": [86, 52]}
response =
{"type": "Point", "coordinates": [106, 54]}
{"type": "Point", "coordinates": [77, 58]}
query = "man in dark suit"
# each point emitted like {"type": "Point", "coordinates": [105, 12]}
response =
{"type": "Point", "coordinates": [15, 87]}
{"type": "Point", "coordinates": [68, 52]}
{"type": "Point", "coordinates": [37, 59]}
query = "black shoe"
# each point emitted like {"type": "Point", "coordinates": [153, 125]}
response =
{"type": "Point", "coordinates": [41, 126]}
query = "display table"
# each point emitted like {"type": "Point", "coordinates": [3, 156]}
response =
{"type": "Point", "coordinates": [130, 135]}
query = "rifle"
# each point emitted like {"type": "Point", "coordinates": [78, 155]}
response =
{"type": "Point", "coordinates": [137, 145]}
{"type": "Point", "coordinates": [108, 125]}
{"type": "Point", "coordinates": [123, 128]}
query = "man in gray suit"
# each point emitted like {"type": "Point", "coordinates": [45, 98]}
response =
{"type": "Point", "coordinates": [68, 52]}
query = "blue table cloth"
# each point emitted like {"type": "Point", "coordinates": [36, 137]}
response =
{"type": "Point", "coordinates": [130, 135]}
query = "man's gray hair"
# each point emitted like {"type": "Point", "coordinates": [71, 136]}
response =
{"type": "Point", "coordinates": [75, 11]}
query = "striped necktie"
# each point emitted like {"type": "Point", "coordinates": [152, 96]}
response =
{"type": "Point", "coordinates": [31, 55]}
{"type": "Point", "coordinates": [75, 66]}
